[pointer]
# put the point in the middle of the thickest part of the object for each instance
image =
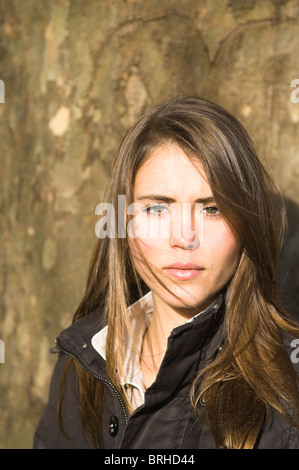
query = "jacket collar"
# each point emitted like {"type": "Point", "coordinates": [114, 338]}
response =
{"type": "Point", "coordinates": [75, 341]}
{"type": "Point", "coordinates": [199, 337]}
{"type": "Point", "coordinates": [190, 347]}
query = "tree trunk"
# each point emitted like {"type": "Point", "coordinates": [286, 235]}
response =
{"type": "Point", "coordinates": [77, 74]}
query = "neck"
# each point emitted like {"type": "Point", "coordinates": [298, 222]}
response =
{"type": "Point", "coordinates": [165, 318]}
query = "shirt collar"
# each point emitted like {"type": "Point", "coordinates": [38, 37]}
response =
{"type": "Point", "coordinates": [140, 316]}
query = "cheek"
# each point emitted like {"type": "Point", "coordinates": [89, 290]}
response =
{"type": "Point", "coordinates": [230, 253]}
{"type": "Point", "coordinates": [150, 249]}
{"type": "Point", "coordinates": [222, 247]}
{"type": "Point", "coordinates": [150, 234]}
{"type": "Point", "coordinates": [144, 248]}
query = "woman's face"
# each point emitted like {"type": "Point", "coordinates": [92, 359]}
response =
{"type": "Point", "coordinates": [180, 232]}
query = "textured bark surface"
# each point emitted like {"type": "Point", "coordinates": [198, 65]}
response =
{"type": "Point", "coordinates": [77, 74]}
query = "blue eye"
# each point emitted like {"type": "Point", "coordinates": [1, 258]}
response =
{"type": "Point", "coordinates": [156, 209]}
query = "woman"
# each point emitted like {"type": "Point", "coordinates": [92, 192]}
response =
{"type": "Point", "coordinates": [181, 340]}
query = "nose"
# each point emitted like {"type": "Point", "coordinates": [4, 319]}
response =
{"type": "Point", "coordinates": [183, 234]}
{"type": "Point", "coordinates": [186, 243]}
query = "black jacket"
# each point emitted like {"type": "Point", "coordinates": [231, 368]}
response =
{"type": "Point", "coordinates": [167, 419]}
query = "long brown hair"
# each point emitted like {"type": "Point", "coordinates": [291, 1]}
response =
{"type": "Point", "coordinates": [253, 374]}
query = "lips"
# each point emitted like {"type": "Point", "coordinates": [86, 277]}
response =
{"type": "Point", "coordinates": [184, 271]}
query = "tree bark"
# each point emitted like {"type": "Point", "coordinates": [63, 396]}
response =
{"type": "Point", "coordinates": [77, 74]}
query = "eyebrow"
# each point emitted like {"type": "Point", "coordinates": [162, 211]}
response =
{"type": "Point", "coordinates": [169, 200]}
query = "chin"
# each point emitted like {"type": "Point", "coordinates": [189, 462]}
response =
{"type": "Point", "coordinates": [185, 300]}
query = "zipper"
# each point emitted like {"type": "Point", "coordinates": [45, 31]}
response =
{"type": "Point", "coordinates": [101, 379]}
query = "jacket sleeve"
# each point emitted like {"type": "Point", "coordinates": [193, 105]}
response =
{"type": "Point", "coordinates": [48, 434]}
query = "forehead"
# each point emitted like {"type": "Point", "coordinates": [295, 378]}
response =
{"type": "Point", "coordinates": [169, 171]}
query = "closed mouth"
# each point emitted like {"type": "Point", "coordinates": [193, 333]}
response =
{"type": "Point", "coordinates": [184, 271]}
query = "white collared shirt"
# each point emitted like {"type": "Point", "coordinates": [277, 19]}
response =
{"type": "Point", "coordinates": [140, 314]}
